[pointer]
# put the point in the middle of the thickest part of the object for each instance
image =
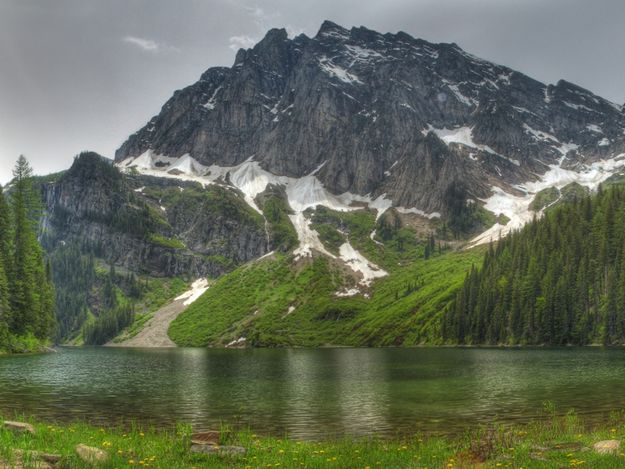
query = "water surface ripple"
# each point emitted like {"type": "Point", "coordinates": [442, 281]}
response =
{"type": "Point", "coordinates": [313, 393]}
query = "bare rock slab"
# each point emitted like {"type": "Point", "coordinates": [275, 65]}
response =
{"type": "Point", "coordinates": [19, 427]}
{"type": "Point", "coordinates": [220, 450]}
{"type": "Point", "coordinates": [49, 458]}
{"type": "Point", "coordinates": [90, 454]}
{"type": "Point", "coordinates": [25, 459]}
{"type": "Point", "coordinates": [607, 446]}
{"type": "Point", "coordinates": [210, 437]}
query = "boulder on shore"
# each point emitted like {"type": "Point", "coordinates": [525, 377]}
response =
{"type": "Point", "coordinates": [607, 446]}
{"type": "Point", "coordinates": [19, 427]}
{"type": "Point", "coordinates": [210, 437]}
{"type": "Point", "coordinates": [37, 455]}
{"type": "Point", "coordinates": [221, 450]}
{"type": "Point", "coordinates": [90, 454]}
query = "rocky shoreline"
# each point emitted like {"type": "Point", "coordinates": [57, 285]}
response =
{"type": "Point", "coordinates": [554, 442]}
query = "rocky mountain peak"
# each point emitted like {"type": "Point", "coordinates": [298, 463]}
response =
{"type": "Point", "coordinates": [330, 29]}
{"type": "Point", "coordinates": [359, 110]}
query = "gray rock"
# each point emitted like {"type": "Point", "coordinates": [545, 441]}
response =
{"type": "Point", "coordinates": [607, 446]}
{"type": "Point", "coordinates": [90, 454]}
{"type": "Point", "coordinates": [221, 450]}
{"type": "Point", "coordinates": [37, 456]}
{"type": "Point", "coordinates": [210, 437]}
{"type": "Point", "coordinates": [361, 103]}
{"type": "Point", "coordinates": [19, 427]}
{"type": "Point", "coordinates": [97, 208]}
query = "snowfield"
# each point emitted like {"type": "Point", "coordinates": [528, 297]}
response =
{"type": "Point", "coordinates": [197, 289]}
{"type": "Point", "coordinates": [464, 136]}
{"type": "Point", "coordinates": [358, 263]}
{"type": "Point", "coordinates": [516, 208]}
{"type": "Point", "coordinates": [302, 193]}
{"type": "Point", "coordinates": [308, 192]}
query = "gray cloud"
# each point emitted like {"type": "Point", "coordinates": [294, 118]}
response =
{"type": "Point", "coordinates": [142, 43]}
{"type": "Point", "coordinates": [241, 42]}
{"type": "Point", "coordinates": [84, 74]}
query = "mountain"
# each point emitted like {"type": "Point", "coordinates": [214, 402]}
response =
{"type": "Point", "coordinates": [344, 168]}
{"type": "Point", "coordinates": [382, 117]}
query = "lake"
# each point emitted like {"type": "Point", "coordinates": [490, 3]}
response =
{"type": "Point", "coordinates": [313, 393]}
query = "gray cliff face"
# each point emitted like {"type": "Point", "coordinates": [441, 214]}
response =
{"type": "Point", "coordinates": [150, 225]}
{"type": "Point", "coordinates": [361, 104]}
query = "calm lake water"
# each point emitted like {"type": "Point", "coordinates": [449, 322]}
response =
{"type": "Point", "coordinates": [313, 393]}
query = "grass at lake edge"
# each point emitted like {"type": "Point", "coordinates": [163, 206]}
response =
{"type": "Point", "coordinates": [557, 441]}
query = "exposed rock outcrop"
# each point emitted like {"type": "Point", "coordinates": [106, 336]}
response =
{"type": "Point", "coordinates": [174, 228]}
{"type": "Point", "coordinates": [384, 114]}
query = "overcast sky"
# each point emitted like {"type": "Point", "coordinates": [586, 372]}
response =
{"type": "Point", "coordinates": [84, 74]}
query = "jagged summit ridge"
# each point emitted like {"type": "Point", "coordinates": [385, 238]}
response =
{"type": "Point", "coordinates": [383, 115]}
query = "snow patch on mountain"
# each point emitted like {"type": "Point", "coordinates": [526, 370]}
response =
{"type": "Point", "coordinates": [210, 104]}
{"type": "Point", "coordinates": [358, 263]}
{"type": "Point", "coordinates": [307, 237]}
{"type": "Point", "coordinates": [147, 161]}
{"type": "Point", "coordinates": [539, 134]}
{"type": "Point", "coordinates": [468, 101]}
{"type": "Point", "coordinates": [565, 148]}
{"type": "Point", "coordinates": [361, 54]}
{"type": "Point", "coordinates": [336, 71]}
{"type": "Point", "coordinates": [186, 165]}
{"type": "Point", "coordinates": [302, 194]}
{"type": "Point", "coordinates": [516, 208]}
{"type": "Point", "coordinates": [594, 128]}
{"type": "Point", "coordinates": [464, 136]}
{"type": "Point", "coordinates": [577, 107]}
{"type": "Point", "coordinates": [197, 289]}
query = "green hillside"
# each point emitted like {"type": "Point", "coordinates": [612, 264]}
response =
{"type": "Point", "coordinates": [254, 302]}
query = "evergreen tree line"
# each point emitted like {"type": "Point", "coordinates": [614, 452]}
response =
{"type": "Point", "coordinates": [74, 275]}
{"type": "Point", "coordinates": [108, 324]}
{"type": "Point", "coordinates": [26, 289]}
{"type": "Point", "coordinates": [116, 314]}
{"type": "Point", "coordinates": [560, 280]}
{"type": "Point", "coordinates": [79, 288]}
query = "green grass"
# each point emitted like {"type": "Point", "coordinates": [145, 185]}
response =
{"type": "Point", "coordinates": [11, 344]}
{"type": "Point", "coordinates": [556, 442]}
{"type": "Point", "coordinates": [552, 197]}
{"type": "Point", "coordinates": [615, 180]}
{"type": "Point", "coordinates": [544, 198]}
{"type": "Point", "coordinates": [165, 242]}
{"type": "Point", "coordinates": [279, 227]}
{"type": "Point", "coordinates": [212, 199]}
{"type": "Point", "coordinates": [254, 301]}
{"type": "Point", "coordinates": [395, 244]}
{"type": "Point", "coordinates": [572, 191]}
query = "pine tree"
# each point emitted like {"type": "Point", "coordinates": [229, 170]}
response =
{"type": "Point", "coordinates": [5, 312]}
{"type": "Point", "coordinates": [5, 234]}
{"type": "Point", "coordinates": [23, 296]}
{"type": "Point", "coordinates": [31, 292]}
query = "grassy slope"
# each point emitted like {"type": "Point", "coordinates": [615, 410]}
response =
{"type": "Point", "coordinates": [556, 442]}
{"type": "Point", "coordinates": [403, 309]}
{"type": "Point", "coordinates": [401, 246]}
{"type": "Point", "coordinates": [253, 302]}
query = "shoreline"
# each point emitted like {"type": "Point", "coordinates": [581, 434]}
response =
{"type": "Point", "coordinates": [356, 347]}
{"type": "Point", "coordinates": [559, 441]}
{"type": "Point", "coordinates": [39, 351]}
